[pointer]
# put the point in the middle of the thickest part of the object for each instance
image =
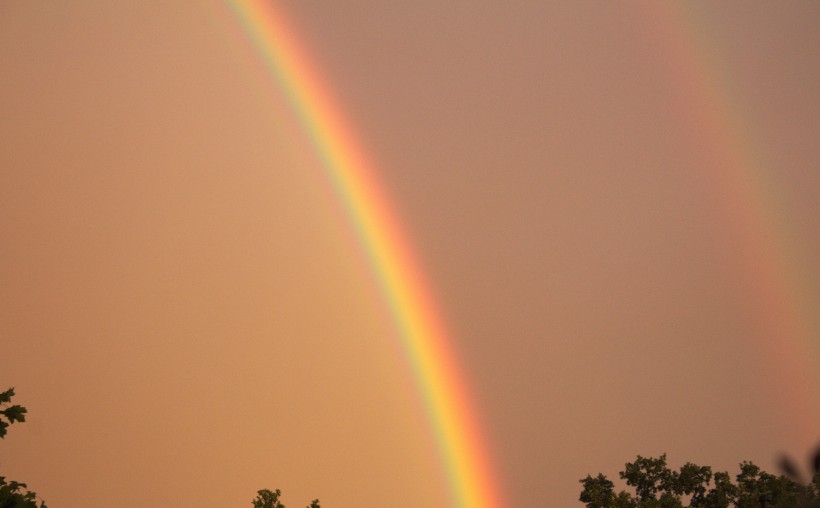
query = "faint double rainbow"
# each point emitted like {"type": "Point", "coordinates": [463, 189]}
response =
{"type": "Point", "coordinates": [752, 206]}
{"type": "Point", "coordinates": [454, 421]}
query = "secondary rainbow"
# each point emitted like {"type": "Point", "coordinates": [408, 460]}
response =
{"type": "Point", "coordinates": [752, 206]}
{"type": "Point", "coordinates": [453, 418]}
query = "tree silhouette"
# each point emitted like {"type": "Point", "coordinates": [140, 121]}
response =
{"type": "Point", "coordinates": [658, 486]}
{"type": "Point", "coordinates": [270, 499]}
{"type": "Point", "coordinates": [14, 494]}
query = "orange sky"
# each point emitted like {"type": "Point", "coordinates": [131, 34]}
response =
{"type": "Point", "coordinates": [186, 317]}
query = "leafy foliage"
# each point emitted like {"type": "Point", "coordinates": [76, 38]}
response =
{"type": "Point", "coordinates": [9, 414]}
{"type": "Point", "coordinates": [14, 494]}
{"type": "Point", "coordinates": [658, 486]}
{"type": "Point", "coordinates": [270, 499]}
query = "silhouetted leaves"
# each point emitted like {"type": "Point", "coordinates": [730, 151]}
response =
{"type": "Point", "coordinates": [657, 486]}
{"type": "Point", "coordinates": [11, 414]}
{"type": "Point", "coordinates": [14, 494]}
{"type": "Point", "coordinates": [270, 499]}
{"type": "Point", "coordinates": [598, 491]}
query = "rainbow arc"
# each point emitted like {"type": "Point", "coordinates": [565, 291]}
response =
{"type": "Point", "coordinates": [455, 423]}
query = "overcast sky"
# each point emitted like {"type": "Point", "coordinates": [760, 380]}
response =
{"type": "Point", "coordinates": [615, 205]}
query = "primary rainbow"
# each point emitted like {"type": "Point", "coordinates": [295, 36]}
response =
{"type": "Point", "coordinates": [463, 453]}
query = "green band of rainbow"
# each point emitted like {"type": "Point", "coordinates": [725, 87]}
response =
{"type": "Point", "coordinates": [425, 340]}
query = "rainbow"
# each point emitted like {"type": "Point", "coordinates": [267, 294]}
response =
{"type": "Point", "coordinates": [752, 207]}
{"type": "Point", "coordinates": [452, 416]}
